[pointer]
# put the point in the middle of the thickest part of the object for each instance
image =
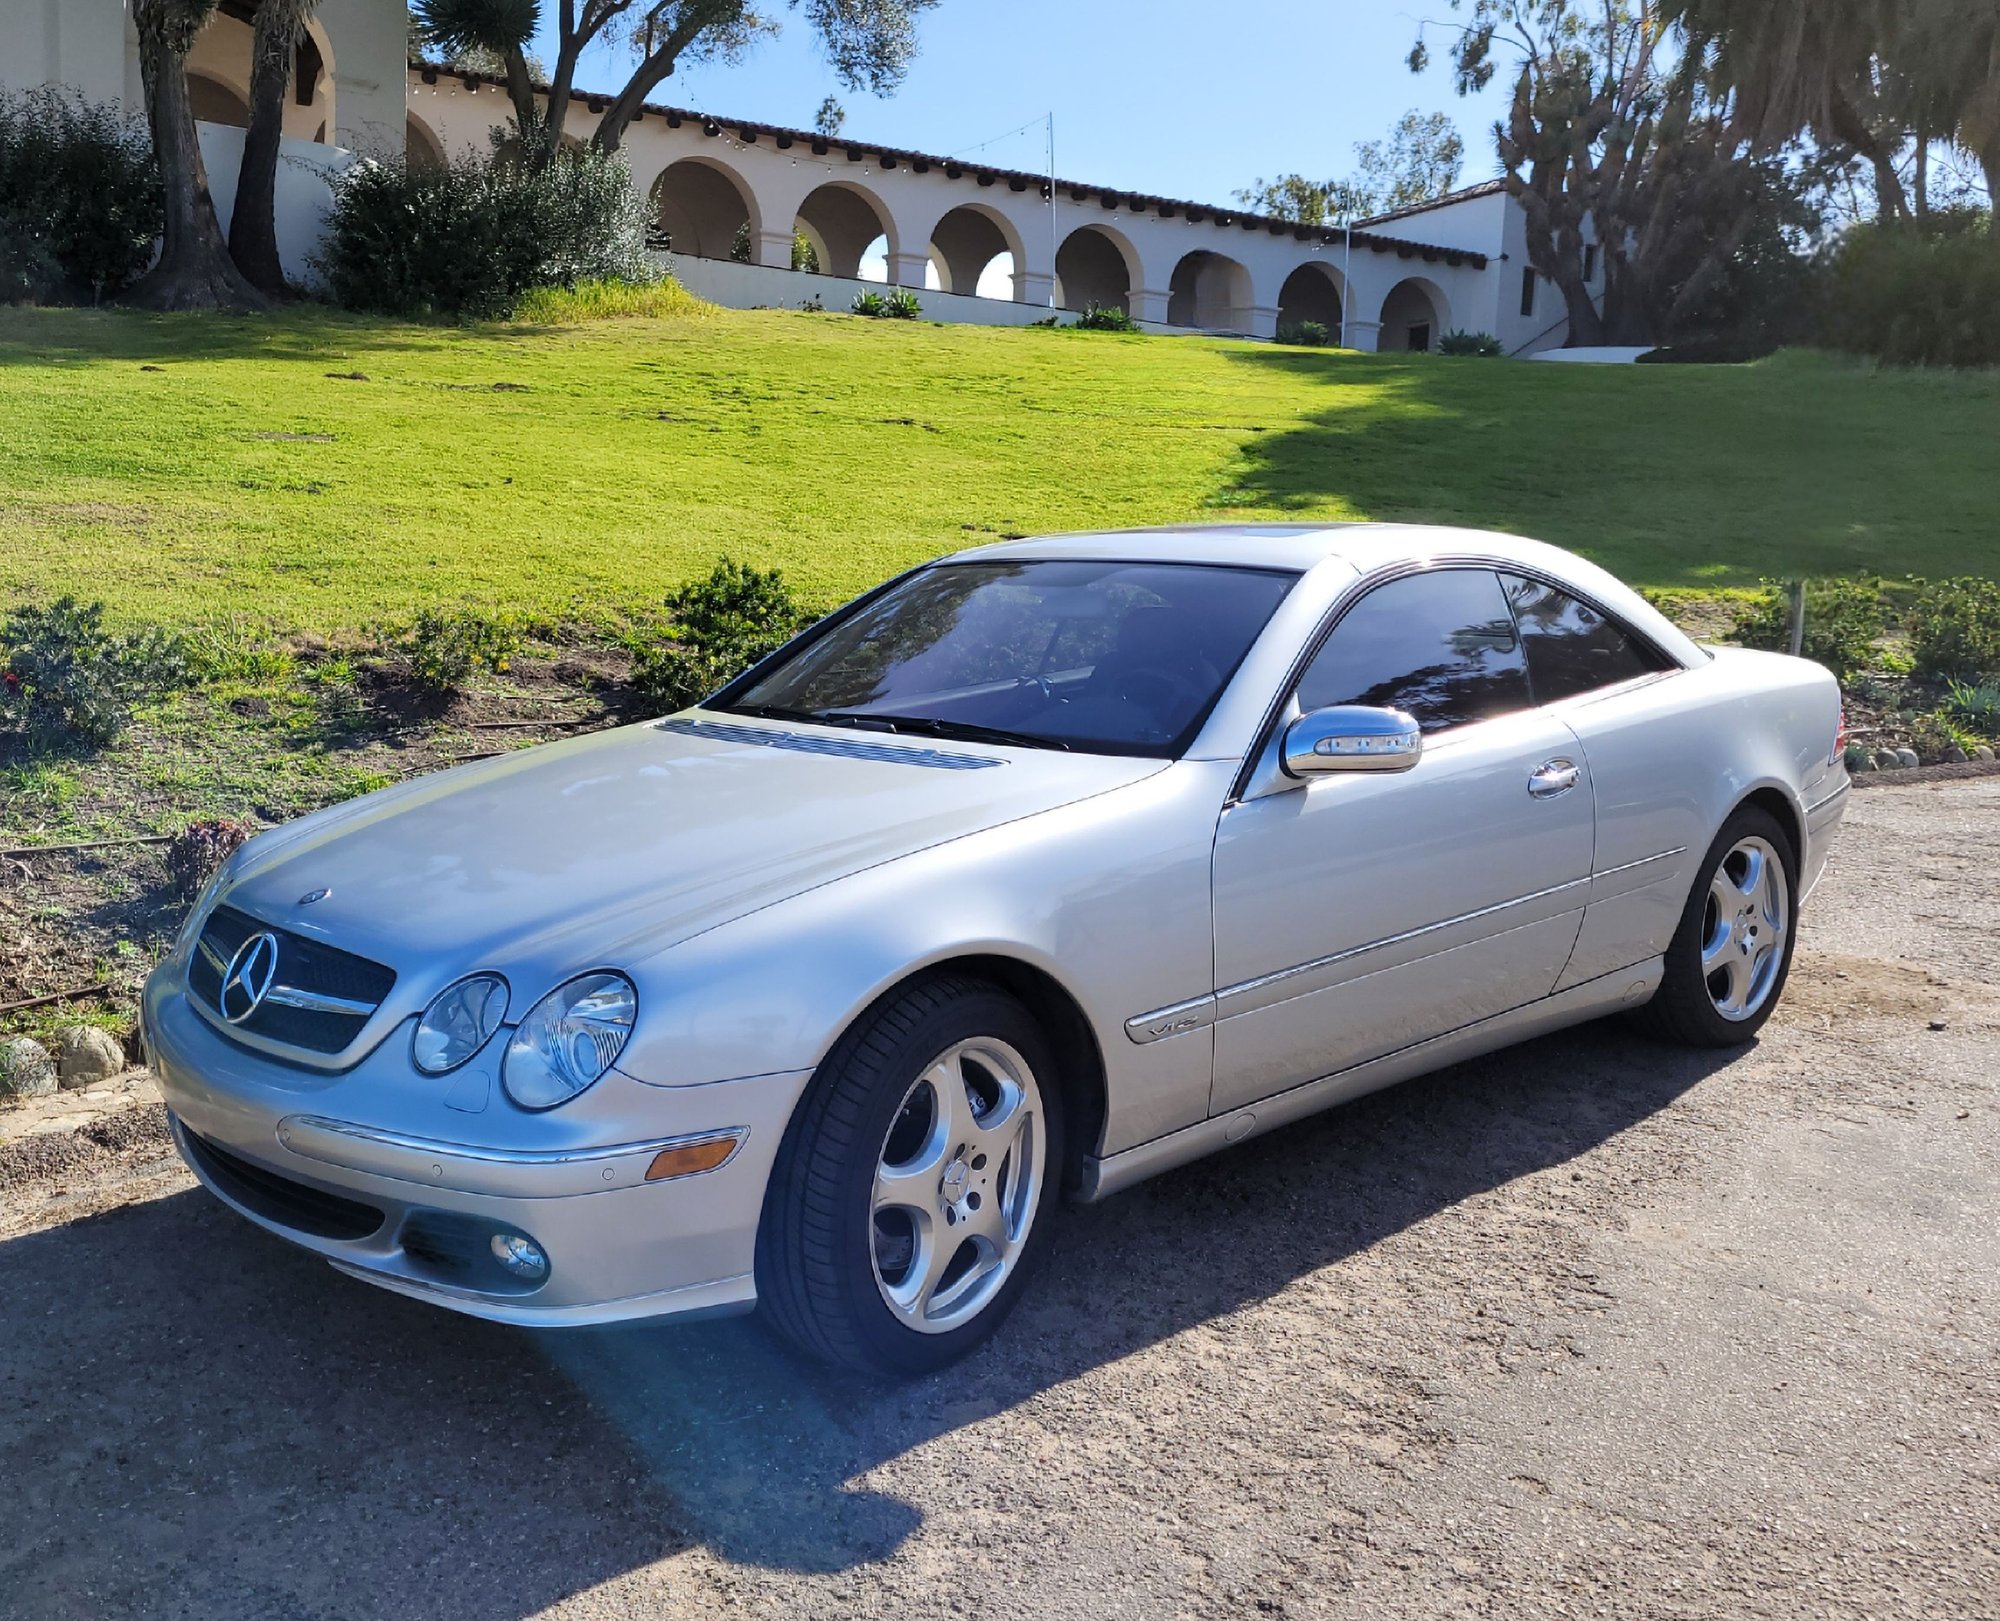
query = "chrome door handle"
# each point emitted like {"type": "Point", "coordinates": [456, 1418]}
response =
{"type": "Point", "coordinates": [1553, 777]}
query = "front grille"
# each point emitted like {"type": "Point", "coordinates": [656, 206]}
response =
{"type": "Point", "coordinates": [319, 998]}
{"type": "Point", "coordinates": [279, 1199]}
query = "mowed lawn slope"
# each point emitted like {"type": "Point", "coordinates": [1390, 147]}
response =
{"type": "Point", "coordinates": [314, 470]}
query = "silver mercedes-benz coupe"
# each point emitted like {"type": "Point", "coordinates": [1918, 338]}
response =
{"type": "Point", "coordinates": [1039, 869]}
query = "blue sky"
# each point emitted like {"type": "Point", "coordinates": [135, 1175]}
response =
{"type": "Point", "coordinates": [1174, 98]}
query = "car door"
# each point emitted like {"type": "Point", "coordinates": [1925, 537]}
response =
{"type": "Point", "coordinates": [1361, 912]}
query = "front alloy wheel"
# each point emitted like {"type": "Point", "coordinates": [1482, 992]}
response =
{"type": "Point", "coordinates": [913, 1192]}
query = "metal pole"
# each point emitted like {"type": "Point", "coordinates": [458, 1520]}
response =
{"type": "Point", "coordinates": [1346, 279]}
{"type": "Point", "coordinates": [1054, 241]}
{"type": "Point", "coordinates": [1796, 592]}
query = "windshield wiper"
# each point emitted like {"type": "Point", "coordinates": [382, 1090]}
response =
{"type": "Point", "coordinates": [933, 726]}
{"type": "Point", "coordinates": [780, 712]}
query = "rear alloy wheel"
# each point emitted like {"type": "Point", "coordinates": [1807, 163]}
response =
{"type": "Point", "coordinates": [913, 1191]}
{"type": "Point", "coordinates": [1730, 956]}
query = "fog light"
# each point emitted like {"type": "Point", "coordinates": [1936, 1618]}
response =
{"type": "Point", "coordinates": [521, 1256]}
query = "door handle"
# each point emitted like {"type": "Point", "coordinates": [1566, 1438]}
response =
{"type": "Point", "coordinates": [1553, 778]}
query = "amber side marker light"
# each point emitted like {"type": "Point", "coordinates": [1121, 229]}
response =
{"type": "Point", "coordinates": [690, 1159]}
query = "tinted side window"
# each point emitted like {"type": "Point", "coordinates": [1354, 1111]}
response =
{"type": "Point", "coordinates": [1442, 646]}
{"type": "Point", "coordinates": [1571, 647]}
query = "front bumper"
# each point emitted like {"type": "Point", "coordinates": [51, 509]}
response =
{"type": "Point", "coordinates": [317, 1158]}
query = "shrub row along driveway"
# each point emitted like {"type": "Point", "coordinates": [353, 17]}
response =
{"type": "Point", "coordinates": [1589, 1328]}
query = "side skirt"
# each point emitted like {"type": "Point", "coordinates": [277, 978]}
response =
{"type": "Point", "coordinates": [1608, 993]}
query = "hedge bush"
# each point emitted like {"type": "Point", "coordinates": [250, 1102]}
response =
{"type": "Point", "coordinates": [1955, 630]}
{"type": "Point", "coordinates": [721, 626]}
{"type": "Point", "coordinates": [1918, 293]}
{"type": "Point", "coordinates": [80, 200]}
{"type": "Point", "coordinates": [66, 680]}
{"type": "Point", "coordinates": [1843, 618]}
{"type": "Point", "coordinates": [1470, 343]}
{"type": "Point", "coordinates": [1305, 334]}
{"type": "Point", "coordinates": [465, 241]}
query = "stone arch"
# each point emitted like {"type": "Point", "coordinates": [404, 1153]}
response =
{"type": "Point", "coordinates": [703, 206]}
{"type": "Point", "coordinates": [1210, 291]}
{"type": "Point", "coordinates": [967, 240]}
{"type": "Point", "coordinates": [1415, 314]}
{"type": "Point", "coordinates": [1096, 265]}
{"type": "Point", "coordinates": [217, 102]}
{"type": "Point", "coordinates": [843, 221]}
{"type": "Point", "coordinates": [421, 147]}
{"type": "Point", "coordinates": [1312, 292]}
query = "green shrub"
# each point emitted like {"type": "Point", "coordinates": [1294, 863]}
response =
{"type": "Point", "coordinates": [67, 680]}
{"type": "Point", "coordinates": [29, 273]}
{"type": "Point", "coordinates": [721, 626]}
{"type": "Point", "coordinates": [1955, 630]}
{"type": "Point", "coordinates": [1305, 334]}
{"type": "Point", "coordinates": [898, 304]}
{"type": "Point", "coordinates": [445, 646]}
{"type": "Point", "coordinates": [1469, 343]}
{"type": "Point", "coordinates": [80, 180]}
{"type": "Point", "coordinates": [1976, 708]}
{"type": "Point", "coordinates": [1843, 618]}
{"type": "Point", "coordinates": [1937, 736]}
{"type": "Point", "coordinates": [1918, 292]}
{"type": "Point", "coordinates": [1105, 318]}
{"type": "Point", "coordinates": [466, 241]}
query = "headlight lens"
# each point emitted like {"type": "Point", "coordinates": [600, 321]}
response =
{"type": "Point", "coordinates": [203, 901]}
{"type": "Point", "coordinates": [568, 1039]}
{"type": "Point", "coordinates": [457, 1023]}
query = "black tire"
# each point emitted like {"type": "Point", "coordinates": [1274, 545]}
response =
{"type": "Point", "coordinates": [1682, 1010]}
{"type": "Point", "coordinates": [816, 1278]}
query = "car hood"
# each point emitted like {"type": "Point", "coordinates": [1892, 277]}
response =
{"type": "Point", "coordinates": [607, 848]}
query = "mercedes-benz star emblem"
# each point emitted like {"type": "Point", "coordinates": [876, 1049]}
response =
{"type": "Point", "coordinates": [313, 896]}
{"type": "Point", "coordinates": [247, 979]}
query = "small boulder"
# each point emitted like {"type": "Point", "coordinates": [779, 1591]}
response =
{"type": "Point", "coordinates": [26, 1069]}
{"type": "Point", "coordinates": [1954, 755]}
{"type": "Point", "coordinates": [1983, 752]}
{"type": "Point", "coordinates": [1885, 760]}
{"type": "Point", "coordinates": [86, 1055]}
{"type": "Point", "coordinates": [1907, 759]}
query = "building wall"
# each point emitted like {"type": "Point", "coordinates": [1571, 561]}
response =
{"type": "Point", "coordinates": [86, 44]}
{"type": "Point", "coordinates": [711, 180]}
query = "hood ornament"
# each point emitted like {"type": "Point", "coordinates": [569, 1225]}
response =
{"type": "Point", "coordinates": [312, 896]}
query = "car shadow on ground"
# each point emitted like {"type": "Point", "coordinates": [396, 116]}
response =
{"type": "Point", "coordinates": [189, 1407]}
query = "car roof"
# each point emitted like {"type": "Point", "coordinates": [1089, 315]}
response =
{"type": "Point", "coordinates": [1360, 548]}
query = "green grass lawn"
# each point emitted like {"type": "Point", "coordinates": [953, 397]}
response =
{"type": "Point", "coordinates": [182, 467]}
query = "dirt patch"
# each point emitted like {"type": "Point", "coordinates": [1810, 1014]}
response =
{"type": "Point", "coordinates": [1830, 988]}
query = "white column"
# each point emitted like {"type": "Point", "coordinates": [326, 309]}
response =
{"type": "Point", "coordinates": [1260, 320]}
{"type": "Point", "coordinates": [1363, 334]}
{"type": "Point", "coordinates": [1037, 287]}
{"type": "Point", "coordinates": [771, 248]}
{"type": "Point", "coordinates": [1146, 304]}
{"type": "Point", "coordinates": [907, 269]}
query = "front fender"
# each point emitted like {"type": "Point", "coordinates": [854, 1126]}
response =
{"type": "Point", "coordinates": [1109, 897]}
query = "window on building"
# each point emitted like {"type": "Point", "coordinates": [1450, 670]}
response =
{"type": "Point", "coordinates": [1440, 645]}
{"type": "Point", "coordinates": [1571, 647]}
{"type": "Point", "coordinates": [1590, 261]}
{"type": "Point", "coordinates": [1528, 290]}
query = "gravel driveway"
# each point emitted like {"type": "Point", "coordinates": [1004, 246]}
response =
{"type": "Point", "coordinates": [1586, 1328]}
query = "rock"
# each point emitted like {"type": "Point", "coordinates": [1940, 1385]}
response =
{"type": "Point", "coordinates": [1983, 752]}
{"type": "Point", "coordinates": [86, 1055]}
{"type": "Point", "coordinates": [1885, 760]}
{"type": "Point", "coordinates": [26, 1069]}
{"type": "Point", "coordinates": [1954, 755]}
{"type": "Point", "coordinates": [1907, 759]}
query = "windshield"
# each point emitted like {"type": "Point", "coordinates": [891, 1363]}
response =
{"type": "Point", "coordinates": [1104, 658]}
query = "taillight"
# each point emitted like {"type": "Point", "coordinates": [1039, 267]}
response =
{"type": "Point", "coordinates": [1839, 739]}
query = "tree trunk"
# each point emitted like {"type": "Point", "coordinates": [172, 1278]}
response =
{"type": "Point", "coordinates": [253, 227]}
{"type": "Point", "coordinates": [194, 271]}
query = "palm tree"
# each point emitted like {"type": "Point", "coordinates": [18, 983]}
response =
{"type": "Point", "coordinates": [194, 269]}
{"type": "Point", "coordinates": [253, 228]}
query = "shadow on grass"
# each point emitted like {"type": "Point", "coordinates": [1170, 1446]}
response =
{"type": "Point", "coordinates": [201, 1418]}
{"type": "Point", "coordinates": [306, 333]}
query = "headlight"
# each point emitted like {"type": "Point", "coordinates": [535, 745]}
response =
{"type": "Point", "coordinates": [457, 1023]}
{"type": "Point", "coordinates": [203, 901]}
{"type": "Point", "coordinates": [568, 1039]}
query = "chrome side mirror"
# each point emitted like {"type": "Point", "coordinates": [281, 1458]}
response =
{"type": "Point", "coordinates": [1352, 737]}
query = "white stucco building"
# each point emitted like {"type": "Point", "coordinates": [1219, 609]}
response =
{"type": "Point", "coordinates": [983, 244]}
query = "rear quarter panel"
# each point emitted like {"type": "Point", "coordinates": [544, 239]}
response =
{"type": "Point", "coordinates": [1669, 760]}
